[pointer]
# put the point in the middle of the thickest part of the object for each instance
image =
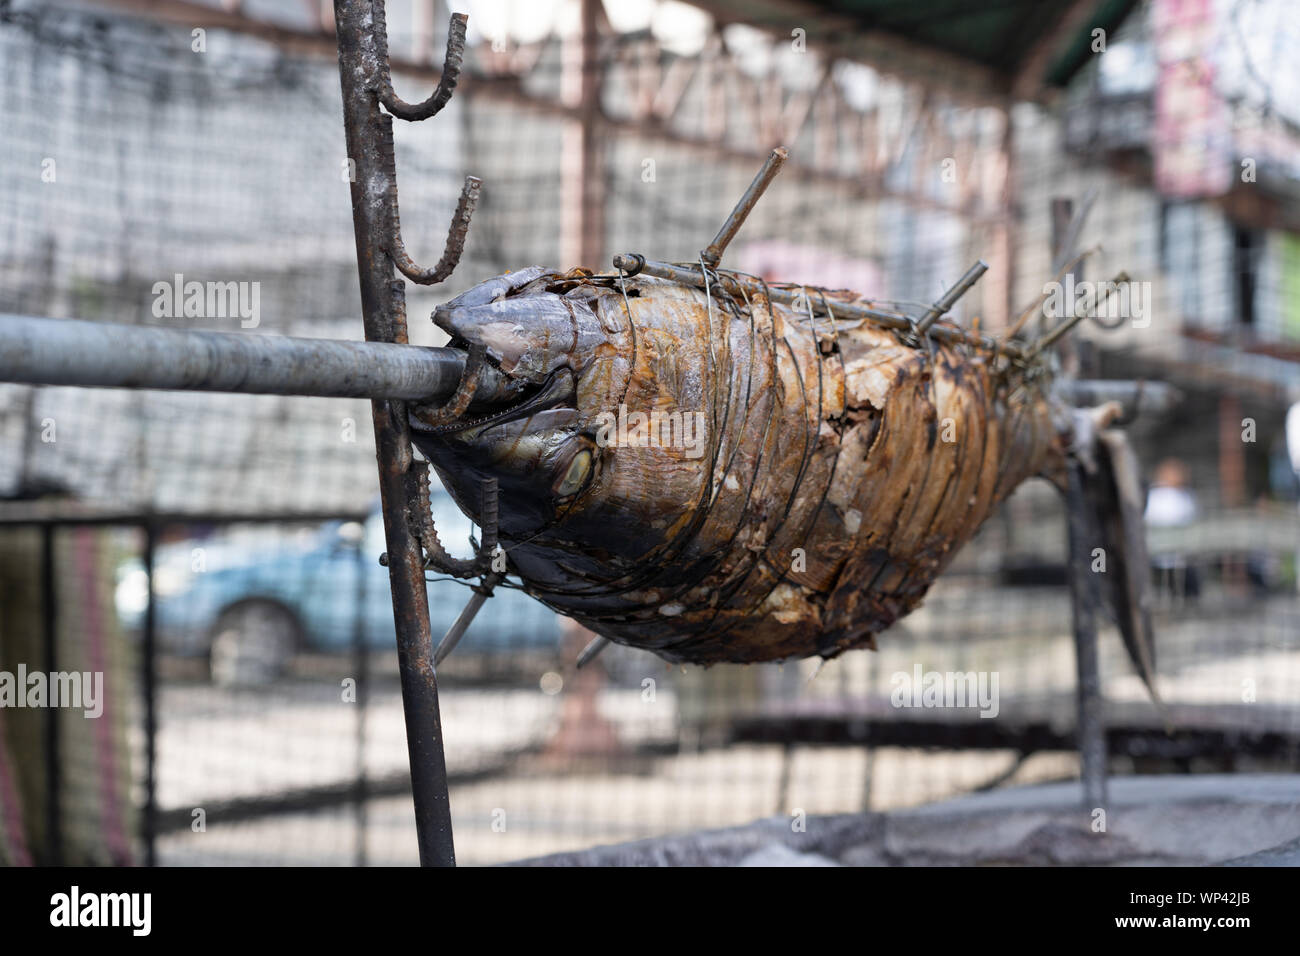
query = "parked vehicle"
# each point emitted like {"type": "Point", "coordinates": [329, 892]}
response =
{"type": "Point", "coordinates": [249, 600]}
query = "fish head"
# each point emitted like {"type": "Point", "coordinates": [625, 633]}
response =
{"type": "Point", "coordinates": [557, 340]}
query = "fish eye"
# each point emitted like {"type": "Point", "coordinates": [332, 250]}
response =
{"type": "Point", "coordinates": [575, 476]}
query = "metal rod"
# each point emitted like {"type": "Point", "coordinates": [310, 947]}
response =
{"type": "Point", "coordinates": [75, 352]}
{"type": "Point", "coordinates": [369, 136]}
{"type": "Point", "coordinates": [486, 554]}
{"type": "Point", "coordinates": [1074, 320]}
{"type": "Point", "coordinates": [149, 682]}
{"type": "Point", "coordinates": [592, 651]}
{"type": "Point", "coordinates": [53, 728]}
{"type": "Point", "coordinates": [466, 618]}
{"type": "Point", "coordinates": [1063, 247]}
{"type": "Point", "coordinates": [361, 664]}
{"type": "Point", "coordinates": [1084, 598]}
{"type": "Point", "coordinates": [1014, 328]}
{"type": "Point", "coordinates": [1138, 398]}
{"type": "Point", "coordinates": [713, 253]}
{"type": "Point", "coordinates": [949, 298]}
{"type": "Point", "coordinates": [798, 297]}
{"type": "Point", "coordinates": [1085, 589]}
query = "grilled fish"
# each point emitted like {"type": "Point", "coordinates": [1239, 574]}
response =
{"type": "Point", "coordinates": [713, 475]}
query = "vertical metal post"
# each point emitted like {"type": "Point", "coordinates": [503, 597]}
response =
{"type": "Point", "coordinates": [374, 195]}
{"type": "Point", "coordinates": [53, 734]}
{"type": "Point", "coordinates": [149, 684]}
{"type": "Point", "coordinates": [1085, 593]}
{"type": "Point", "coordinates": [1084, 597]}
{"type": "Point", "coordinates": [361, 666]}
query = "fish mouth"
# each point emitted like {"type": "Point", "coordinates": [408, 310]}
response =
{"type": "Point", "coordinates": [557, 390]}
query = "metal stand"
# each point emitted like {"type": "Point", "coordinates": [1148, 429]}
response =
{"type": "Point", "coordinates": [363, 70]}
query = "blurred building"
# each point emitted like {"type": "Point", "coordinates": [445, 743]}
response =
{"type": "Point", "coordinates": [1190, 122]}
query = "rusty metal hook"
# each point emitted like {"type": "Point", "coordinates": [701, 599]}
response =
{"type": "Point", "coordinates": [455, 240]}
{"type": "Point", "coordinates": [470, 380]}
{"type": "Point", "coordinates": [436, 556]}
{"type": "Point", "coordinates": [451, 64]}
{"type": "Point", "coordinates": [491, 577]}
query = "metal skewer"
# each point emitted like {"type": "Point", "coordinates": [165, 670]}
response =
{"type": "Point", "coordinates": [712, 254]}
{"type": "Point", "coordinates": [1037, 348]}
{"type": "Point", "coordinates": [592, 651]}
{"type": "Point", "coordinates": [949, 298]}
{"type": "Point", "coordinates": [466, 618]}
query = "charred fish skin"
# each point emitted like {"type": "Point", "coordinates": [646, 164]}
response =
{"type": "Point", "coordinates": [839, 470]}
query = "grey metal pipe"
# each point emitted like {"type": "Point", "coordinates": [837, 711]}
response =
{"type": "Point", "coordinates": [1138, 398]}
{"type": "Point", "coordinates": [76, 352]}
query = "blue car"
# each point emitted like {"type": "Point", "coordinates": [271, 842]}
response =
{"type": "Point", "coordinates": [250, 599]}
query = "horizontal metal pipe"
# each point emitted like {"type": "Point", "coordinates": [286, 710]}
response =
{"type": "Point", "coordinates": [1140, 398]}
{"type": "Point", "coordinates": [76, 352]}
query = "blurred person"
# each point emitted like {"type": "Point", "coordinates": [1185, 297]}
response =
{"type": "Point", "coordinates": [1171, 504]}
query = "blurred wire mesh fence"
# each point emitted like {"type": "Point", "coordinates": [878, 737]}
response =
{"type": "Point", "coordinates": [253, 714]}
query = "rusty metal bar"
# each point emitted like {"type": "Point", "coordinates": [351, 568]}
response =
{"type": "Point", "coordinates": [584, 177]}
{"type": "Point", "coordinates": [458, 628]}
{"type": "Point", "coordinates": [369, 132]}
{"type": "Point", "coordinates": [76, 352]}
